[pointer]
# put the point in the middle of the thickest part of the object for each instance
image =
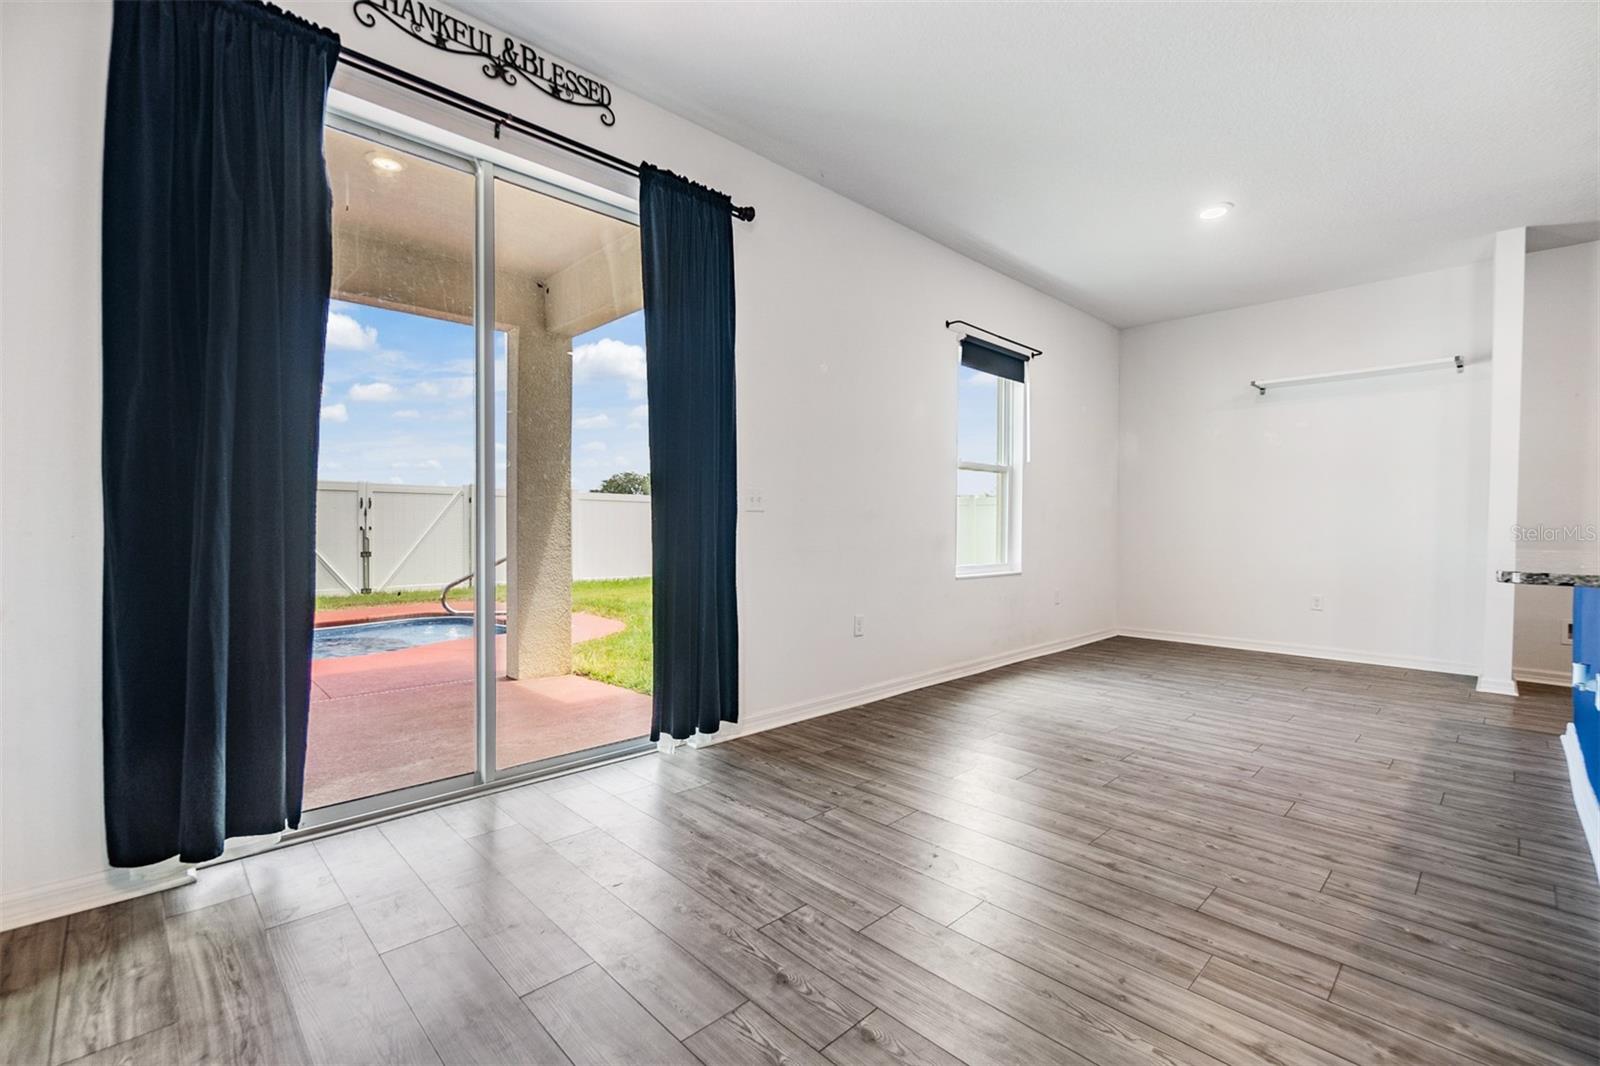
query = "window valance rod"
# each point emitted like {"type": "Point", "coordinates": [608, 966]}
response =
{"type": "Point", "coordinates": [1028, 351]}
{"type": "Point", "coordinates": [501, 120]}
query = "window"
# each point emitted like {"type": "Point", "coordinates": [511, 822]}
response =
{"type": "Point", "coordinates": [988, 479]}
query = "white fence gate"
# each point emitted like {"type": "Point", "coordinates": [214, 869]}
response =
{"type": "Point", "coordinates": [384, 538]}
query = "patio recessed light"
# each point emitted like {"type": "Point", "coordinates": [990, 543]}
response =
{"type": "Point", "coordinates": [385, 164]}
{"type": "Point", "coordinates": [1215, 210]}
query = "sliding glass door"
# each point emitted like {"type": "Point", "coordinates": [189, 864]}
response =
{"type": "Point", "coordinates": [574, 667]}
{"type": "Point", "coordinates": [393, 680]}
{"type": "Point", "coordinates": [484, 366]}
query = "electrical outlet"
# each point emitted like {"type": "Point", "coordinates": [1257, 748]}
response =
{"type": "Point", "coordinates": [754, 500]}
{"type": "Point", "coordinates": [1316, 603]}
{"type": "Point", "coordinates": [1566, 633]}
{"type": "Point", "coordinates": [861, 625]}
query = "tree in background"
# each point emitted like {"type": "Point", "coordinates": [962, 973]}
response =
{"type": "Point", "coordinates": [626, 484]}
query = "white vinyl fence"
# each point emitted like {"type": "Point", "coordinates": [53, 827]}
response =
{"type": "Point", "coordinates": [978, 530]}
{"type": "Point", "coordinates": [610, 535]}
{"type": "Point", "coordinates": [420, 536]}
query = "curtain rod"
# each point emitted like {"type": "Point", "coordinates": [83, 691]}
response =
{"type": "Point", "coordinates": [498, 118]}
{"type": "Point", "coordinates": [1456, 361]}
{"type": "Point", "coordinates": [1036, 352]}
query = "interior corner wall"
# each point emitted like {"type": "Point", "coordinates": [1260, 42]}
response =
{"type": "Point", "coordinates": [846, 398]}
{"type": "Point", "coordinates": [50, 522]}
{"type": "Point", "coordinates": [1558, 499]}
{"type": "Point", "coordinates": [1240, 511]}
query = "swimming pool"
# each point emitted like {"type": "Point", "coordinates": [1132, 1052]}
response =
{"type": "Point", "coordinates": [368, 638]}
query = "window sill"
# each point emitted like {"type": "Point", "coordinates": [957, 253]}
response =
{"type": "Point", "coordinates": [987, 571]}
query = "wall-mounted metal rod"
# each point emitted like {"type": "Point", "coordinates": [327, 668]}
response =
{"type": "Point", "coordinates": [500, 120]}
{"type": "Point", "coordinates": [1261, 387]}
{"type": "Point", "coordinates": [1033, 353]}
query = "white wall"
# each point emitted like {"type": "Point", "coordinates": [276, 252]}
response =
{"type": "Point", "coordinates": [1560, 463]}
{"type": "Point", "coordinates": [846, 400]}
{"type": "Point", "coordinates": [50, 532]}
{"type": "Point", "coordinates": [1237, 509]}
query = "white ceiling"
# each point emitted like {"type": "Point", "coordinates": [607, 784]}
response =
{"type": "Point", "coordinates": [1070, 145]}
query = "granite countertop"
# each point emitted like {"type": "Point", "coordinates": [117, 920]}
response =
{"type": "Point", "coordinates": [1532, 577]}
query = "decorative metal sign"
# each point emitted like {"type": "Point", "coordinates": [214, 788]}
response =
{"type": "Point", "coordinates": [504, 58]}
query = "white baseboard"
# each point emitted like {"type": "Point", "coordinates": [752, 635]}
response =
{"type": "Point", "coordinates": [1583, 796]}
{"type": "Point", "coordinates": [1497, 686]}
{"type": "Point", "coordinates": [799, 712]}
{"type": "Point", "coordinates": [89, 891]}
{"type": "Point", "coordinates": [1308, 651]}
{"type": "Point", "coordinates": [1559, 678]}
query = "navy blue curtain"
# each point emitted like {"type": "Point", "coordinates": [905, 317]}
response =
{"type": "Point", "coordinates": [216, 262]}
{"type": "Point", "coordinates": [687, 235]}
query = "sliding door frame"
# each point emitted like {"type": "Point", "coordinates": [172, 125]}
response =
{"type": "Point", "coordinates": [486, 775]}
{"type": "Point", "coordinates": [484, 585]}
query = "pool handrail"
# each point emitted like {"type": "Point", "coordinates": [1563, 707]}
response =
{"type": "Point", "coordinates": [444, 594]}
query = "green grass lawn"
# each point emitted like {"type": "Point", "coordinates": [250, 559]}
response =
{"type": "Point", "coordinates": [621, 659]}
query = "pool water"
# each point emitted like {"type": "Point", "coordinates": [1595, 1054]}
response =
{"type": "Point", "coordinates": [369, 638]}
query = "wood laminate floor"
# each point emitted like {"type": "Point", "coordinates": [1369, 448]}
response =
{"type": "Point", "coordinates": [1131, 852]}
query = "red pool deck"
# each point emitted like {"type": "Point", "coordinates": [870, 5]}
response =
{"type": "Point", "coordinates": [385, 721]}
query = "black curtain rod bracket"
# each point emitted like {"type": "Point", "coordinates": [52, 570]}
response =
{"type": "Point", "coordinates": [498, 119]}
{"type": "Point", "coordinates": [1033, 353]}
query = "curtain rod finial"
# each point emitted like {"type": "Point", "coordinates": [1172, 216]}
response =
{"type": "Point", "coordinates": [744, 214]}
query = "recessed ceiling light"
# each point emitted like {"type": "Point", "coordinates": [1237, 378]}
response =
{"type": "Point", "coordinates": [1215, 210]}
{"type": "Point", "coordinates": [385, 164]}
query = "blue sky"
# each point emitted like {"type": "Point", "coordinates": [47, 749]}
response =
{"type": "Point", "coordinates": [977, 416]}
{"type": "Point", "coordinates": [397, 400]}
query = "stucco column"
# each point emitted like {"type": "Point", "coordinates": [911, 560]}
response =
{"type": "Point", "coordinates": [538, 483]}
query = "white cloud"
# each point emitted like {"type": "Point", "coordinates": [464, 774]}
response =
{"type": "Point", "coordinates": [599, 421]}
{"type": "Point", "coordinates": [640, 413]}
{"type": "Point", "coordinates": [345, 332]}
{"type": "Point", "coordinates": [610, 358]}
{"type": "Point", "coordinates": [593, 446]}
{"type": "Point", "coordinates": [408, 413]}
{"type": "Point", "coordinates": [373, 392]}
{"type": "Point", "coordinates": [335, 412]}
{"type": "Point", "coordinates": [425, 388]}
{"type": "Point", "coordinates": [420, 464]}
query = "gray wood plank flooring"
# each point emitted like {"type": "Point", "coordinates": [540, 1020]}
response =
{"type": "Point", "coordinates": [1133, 852]}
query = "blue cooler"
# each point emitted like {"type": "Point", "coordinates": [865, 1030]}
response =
{"type": "Point", "coordinates": [1586, 678]}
